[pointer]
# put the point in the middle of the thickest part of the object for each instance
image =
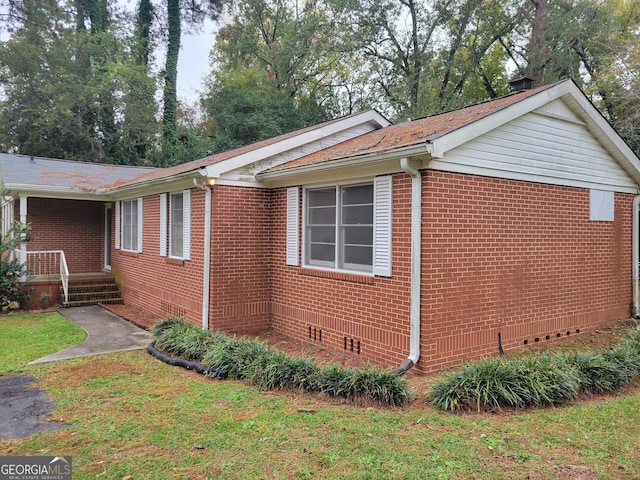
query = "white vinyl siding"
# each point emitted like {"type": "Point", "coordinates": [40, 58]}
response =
{"type": "Point", "coordinates": [293, 228]}
{"type": "Point", "coordinates": [541, 148]}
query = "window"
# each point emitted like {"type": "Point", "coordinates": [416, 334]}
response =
{"type": "Point", "coordinates": [129, 225]}
{"type": "Point", "coordinates": [175, 224]}
{"type": "Point", "coordinates": [176, 220]}
{"type": "Point", "coordinates": [339, 227]}
{"type": "Point", "coordinates": [345, 227]}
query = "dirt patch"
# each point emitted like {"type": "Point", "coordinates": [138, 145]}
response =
{"type": "Point", "coordinates": [23, 408]}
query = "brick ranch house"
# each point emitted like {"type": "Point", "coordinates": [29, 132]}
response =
{"type": "Point", "coordinates": [419, 243]}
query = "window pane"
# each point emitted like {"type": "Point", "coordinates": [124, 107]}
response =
{"type": "Point", "coordinates": [322, 216]}
{"type": "Point", "coordinates": [321, 254]}
{"type": "Point", "coordinates": [357, 255]}
{"type": "Point", "coordinates": [322, 235]}
{"type": "Point", "coordinates": [130, 225]}
{"type": "Point", "coordinates": [357, 215]}
{"type": "Point", "coordinates": [322, 198]}
{"type": "Point", "coordinates": [358, 194]}
{"type": "Point", "coordinates": [358, 235]}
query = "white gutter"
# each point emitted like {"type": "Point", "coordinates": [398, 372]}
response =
{"type": "Point", "coordinates": [206, 275]}
{"type": "Point", "coordinates": [416, 246]}
{"type": "Point", "coordinates": [635, 255]}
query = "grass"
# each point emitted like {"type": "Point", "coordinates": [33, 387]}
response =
{"type": "Point", "coordinates": [25, 338]}
{"type": "Point", "coordinates": [131, 415]}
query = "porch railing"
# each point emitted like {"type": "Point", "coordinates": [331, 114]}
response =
{"type": "Point", "coordinates": [47, 263]}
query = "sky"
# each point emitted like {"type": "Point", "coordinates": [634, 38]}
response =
{"type": "Point", "coordinates": [193, 61]}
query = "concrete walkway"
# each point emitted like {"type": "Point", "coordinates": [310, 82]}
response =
{"type": "Point", "coordinates": [106, 333]}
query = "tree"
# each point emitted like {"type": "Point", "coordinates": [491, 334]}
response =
{"type": "Point", "coordinates": [95, 105]}
{"type": "Point", "coordinates": [195, 12]}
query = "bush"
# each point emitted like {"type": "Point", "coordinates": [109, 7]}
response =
{"type": "Point", "coordinates": [251, 360]}
{"type": "Point", "coordinates": [183, 339]}
{"type": "Point", "coordinates": [537, 380]}
{"type": "Point", "coordinates": [13, 273]}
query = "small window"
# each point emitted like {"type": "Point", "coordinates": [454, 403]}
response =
{"type": "Point", "coordinates": [176, 219]}
{"type": "Point", "coordinates": [175, 224]}
{"type": "Point", "coordinates": [339, 227]}
{"type": "Point", "coordinates": [130, 217]}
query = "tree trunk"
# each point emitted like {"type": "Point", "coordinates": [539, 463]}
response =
{"type": "Point", "coordinates": [169, 117]}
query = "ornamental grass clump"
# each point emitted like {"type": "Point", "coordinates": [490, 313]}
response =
{"type": "Point", "coordinates": [370, 382]}
{"type": "Point", "coordinates": [251, 360]}
{"type": "Point", "coordinates": [538, 380]}
{"type": "Point", "coordinates": [493, 383]}
{"type": "Point", "coordinates": [183, 339]}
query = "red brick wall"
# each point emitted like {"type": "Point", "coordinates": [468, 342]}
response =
{"type": "Point", "coordinates": [239, 288]}
{"type": "Point", "coordinates": [75, 226]}
{"type": "Point", "coordinates": [495, 252]}
{"type": "Point", "coordinates": [519, 255]}
{"type": "Point", "coordinates": [373, 312]}
{"type": "Point", "coordinates": [160, 285]}
{"type": "Point", "coordinates": [240, 259]}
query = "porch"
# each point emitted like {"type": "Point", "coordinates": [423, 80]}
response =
{"type": "Point", "coordinates": [53, 284]}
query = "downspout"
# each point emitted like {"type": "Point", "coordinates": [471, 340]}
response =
{"type": "Point", "coordinates": [635, 255]}
{"type": "Point", "coordinates": [206, 275]}
{"type": "Point", "coordinates": [416, 246]}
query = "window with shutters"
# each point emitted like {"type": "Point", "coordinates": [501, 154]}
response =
{"type": "Point", "coordinates": [175, 224]}
{"type": "Point", "coordinates": [176, 220]}
{"type": "Point", "coordinates": [130, 225]}
{"type": "Point", "coordinates": [344, 227]}
{"type": "Point", "coordinates": [339, 227]}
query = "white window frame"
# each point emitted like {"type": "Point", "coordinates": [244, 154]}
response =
{"type": "Point", "coordinates": [167, 235]}
{"type": "Point", "coordinates": [131, 244]}
{"type": "Point", "coordinates": [382, 209]}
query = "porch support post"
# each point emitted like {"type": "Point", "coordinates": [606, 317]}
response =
{"type": "Point", "coordinates": [23, 219]}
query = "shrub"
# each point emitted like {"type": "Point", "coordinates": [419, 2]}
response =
{"type": "Point", "coordinates": [496, 382]}
{"type": "Point", "coordinates": [183, 339]}
{"type": "Point", "coordinates": [251, 360]}
{"type": "Point", "coordinates": [537, 380]}
{"type": "Point", "coordinates": [13, 273]}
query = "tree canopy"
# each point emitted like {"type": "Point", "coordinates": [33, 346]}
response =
{"type": "Point", "coordinates": [79, 78]}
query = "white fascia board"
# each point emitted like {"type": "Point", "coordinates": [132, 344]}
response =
{"type": "Point", "coordinates": [351, 167]}
{"type": "Point", "coordinates": [21, 190]}
{"type": "Point", "coordinates": [441, 145]}
{"type": "Point", "coordinates": [217, 169]}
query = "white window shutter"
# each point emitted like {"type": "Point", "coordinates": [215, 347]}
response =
{"type": "Point", "coordinates": [163, 224]}
{"type": "Point", "coordinates": [382, 225]}
{"type": "Point", "coordinates": [293, 222]}
{"type": "Point", "coordinates": [186, 224]}
{"type": "Point", "coordinates": [118, 224]}
{"type": "Point", "coordinates": [139, 249]}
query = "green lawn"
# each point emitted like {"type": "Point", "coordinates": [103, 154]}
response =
{"type": "Point", "coordinates": [131, 415]}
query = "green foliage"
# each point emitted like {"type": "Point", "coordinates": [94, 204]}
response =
{"type": "Point", "coordinates": [538, 380]}
{"type": "Point", "coordinates": [13, 273]}
{"type": "Point", "coordinates": [252, 361]}
{"type": "Point", "coordinates": [183, 339]}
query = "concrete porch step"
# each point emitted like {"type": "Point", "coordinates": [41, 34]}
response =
{"type": "Point", "coordinates": [91, 291]}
